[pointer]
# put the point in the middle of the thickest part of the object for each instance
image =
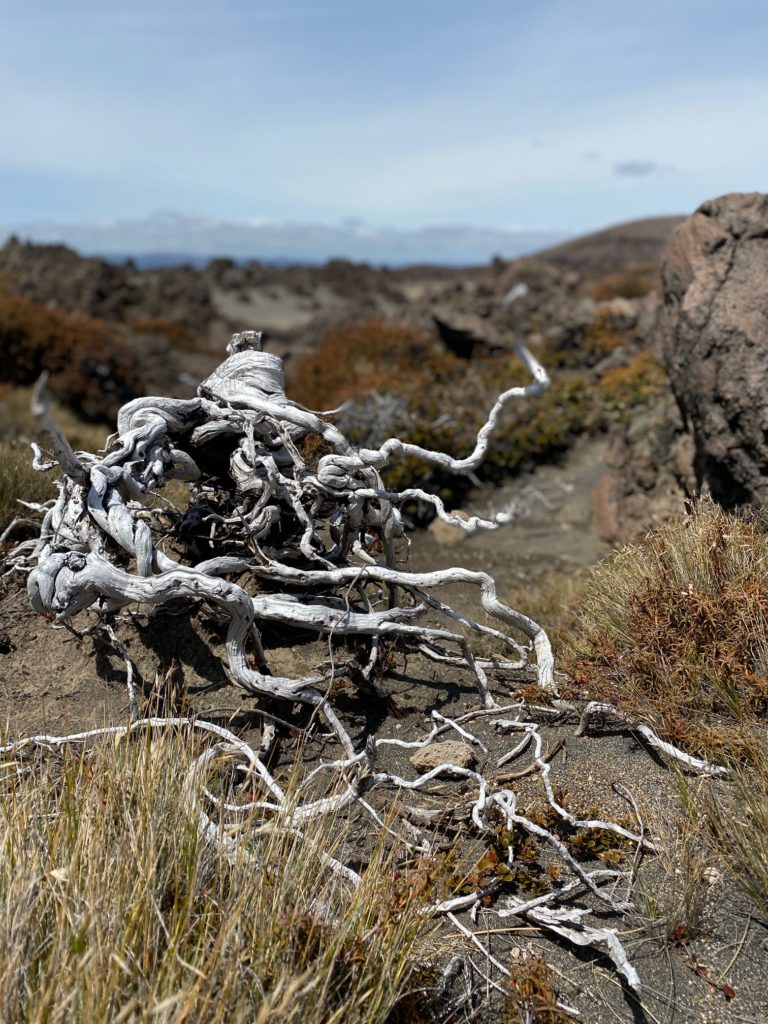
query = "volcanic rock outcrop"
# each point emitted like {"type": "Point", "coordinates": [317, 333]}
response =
{"type": "Point", "coordinates": [714, 330]}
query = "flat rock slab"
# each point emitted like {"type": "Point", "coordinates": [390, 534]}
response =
{"type": "Point", "coordinates": [450, 752]}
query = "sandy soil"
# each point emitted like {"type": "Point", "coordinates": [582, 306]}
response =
{"type": "Point", "coordinates": [55, 681]}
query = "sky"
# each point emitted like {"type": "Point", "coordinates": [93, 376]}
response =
{"type": "Point", "coordinates": [542, 115]}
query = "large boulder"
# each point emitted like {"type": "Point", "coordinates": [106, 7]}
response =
{"type": "Point", "coordinates": [714, 330]}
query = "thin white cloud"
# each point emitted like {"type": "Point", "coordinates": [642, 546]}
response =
{"type": "Point", "coordinates": [194, 236]}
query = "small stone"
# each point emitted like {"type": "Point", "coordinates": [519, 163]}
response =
{"type": "Point", "coordinates": [445, 534]}
{"type": "Point", "coordinates": [710, 876]}
{"type": "Point", "coordinates": [450, 752]}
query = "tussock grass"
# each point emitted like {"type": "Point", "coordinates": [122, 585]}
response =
{"type": "Point", "coordinates": [18, 423]}
{"type": "Point", "coordinates": [19, 480]}
{"type": "Point", "coordinates": [675, 630]}
{"type": "Point", "coordinates": [673, 897]}
{"type": "Point", "coordinates": [736, 819]}
{"type": "Point", "coordinates": [113, 907]}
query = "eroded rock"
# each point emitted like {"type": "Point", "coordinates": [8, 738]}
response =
{"type": "Point", "coordinates": [714, 330]}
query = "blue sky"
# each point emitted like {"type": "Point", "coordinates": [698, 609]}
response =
{"type": "Point", "coordinates": [542, 114]}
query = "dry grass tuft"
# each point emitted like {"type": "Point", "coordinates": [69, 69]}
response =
{"type": "Point", "coordinates": [675, 630]}
{"type": "Point", "coordinates": [674, 889]}
{"type": "Point", "coordinates": [736, 819]}
{"type": "Point", "coordinates": [19, 480]}
{"type": "Point", "coordinates": [114, 907]}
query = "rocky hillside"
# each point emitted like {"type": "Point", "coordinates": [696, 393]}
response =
{"type": "Point", "coordinates": [290, 304]}
{"type": "Point", "coordinates": [589, 312]}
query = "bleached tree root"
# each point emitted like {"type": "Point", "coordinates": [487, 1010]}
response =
{"type": "Point", "coordinates": [265, 514]}
{"type": "Point", "coordinates": [274, 534]}
{"type": "Point", "coordinates": [235, 827]}
{"type": "Point", "coordinates": [601, 709]}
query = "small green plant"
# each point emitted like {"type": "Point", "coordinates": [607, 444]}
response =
{"type": "Point", "coordinates": [623, 388]}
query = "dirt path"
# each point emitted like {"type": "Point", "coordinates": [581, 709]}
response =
{"type": "Point", "coordinates": [555, 530]}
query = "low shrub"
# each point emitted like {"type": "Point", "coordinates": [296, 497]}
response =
{"type": "Point", "coordinates": [675, 630]}
{"type": "Point", "coordinates": [632, 283]}
{"type": "Point", "coordinates": [401, 382]}
{"type": "Point", "coordinates": [587, 348]}
{"type": "Point", "coordinates": [623, 388]}
{"type": "Point", "coordinates": [177, 335]}
{"type": "Point", "coordinates": [368, 356]}
{"type": "Point", "coordinates": [94, 371]}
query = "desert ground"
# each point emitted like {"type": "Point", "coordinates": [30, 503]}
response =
{"type": "Point", "coordinates": [607, 461]}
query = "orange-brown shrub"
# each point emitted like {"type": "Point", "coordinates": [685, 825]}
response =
{"type": "Point", "coordinates": [632, 283]}
{"type": "Point", "coordinates": [177, 335]}
{"type": "Point", "coordinates": [93, 371]}
{"type": "Point", "coordinates": [446, 400]}
{"type": "Point", "coordinates": [364, 357]}
{"type": "Point", "coordinates": [675, 630]}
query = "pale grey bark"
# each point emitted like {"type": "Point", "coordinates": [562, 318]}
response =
{"type": "Point", "coordinates": [333, 530]}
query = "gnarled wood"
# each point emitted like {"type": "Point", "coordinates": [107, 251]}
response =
{"type": "Point", "coordinates": [332, 529]}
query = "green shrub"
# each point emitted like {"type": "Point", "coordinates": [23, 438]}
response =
{"type": "Point", "coordinates": [623, 388]}
{"type": "Point", "coordinates": [598, 340]}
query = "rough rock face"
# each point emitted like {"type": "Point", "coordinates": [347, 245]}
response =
{"type": "Point", "coordinates": [714, 330]}
{"type": "Point", "coordinates": [649, 473]}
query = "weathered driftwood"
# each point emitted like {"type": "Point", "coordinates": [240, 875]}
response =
{"type": "Point", "coordinates": [323, 544]}
{"type": "Point", "coordinates": [332, 528]}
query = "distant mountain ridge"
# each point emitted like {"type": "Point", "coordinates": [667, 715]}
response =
{"type": "Point", "coordinates": [614, 248]}
{"type": "Point", "coordinates": [166, 239]}
{"type": "Point", "coordinates": [296, 305]}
